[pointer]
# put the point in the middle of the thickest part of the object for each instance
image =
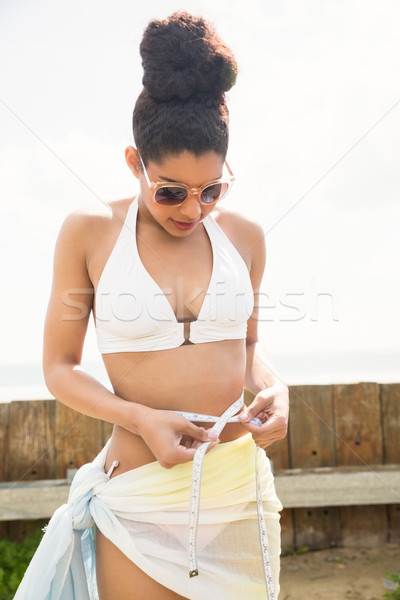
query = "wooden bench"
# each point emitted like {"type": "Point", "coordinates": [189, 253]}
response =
{"type": "Point", "coordinates": [295, 488]}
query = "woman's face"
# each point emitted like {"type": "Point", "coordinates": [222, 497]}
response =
{"type": "Point", "coordinates": [183, 168]}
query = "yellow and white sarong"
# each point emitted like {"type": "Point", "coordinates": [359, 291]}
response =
{"type": "Point", "coordinates": [150, 514]}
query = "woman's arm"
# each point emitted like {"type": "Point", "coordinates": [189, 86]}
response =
{"type": "Point", "coordinates": [271, 402]}
{"type": "Point", "coordinates": [65, 328]}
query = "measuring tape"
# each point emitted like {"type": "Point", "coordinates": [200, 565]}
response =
{"type": "Point", "coordinates": [219, 424]}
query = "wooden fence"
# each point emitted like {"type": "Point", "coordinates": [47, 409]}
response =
{"type": "Point", "coordinates": [354, 426]}
{"type": "Point", "coordinates": [337, 472]}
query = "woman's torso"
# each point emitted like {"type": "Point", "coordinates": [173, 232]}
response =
{"type": "Point", "coordinates": [205, 377]}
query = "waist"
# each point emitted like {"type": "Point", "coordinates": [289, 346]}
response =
{"type": "Point", "coordinates": [228, 468]}
{"type": "Point", "coordinates": [131, 451]}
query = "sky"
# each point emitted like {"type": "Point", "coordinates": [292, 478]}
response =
{"type": "Point", "coordinates": [314, 146]}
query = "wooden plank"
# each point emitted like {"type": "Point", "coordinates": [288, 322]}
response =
{"type": "Point", "coordinates": [78, 438]}
{"type": "Point", "coordinates": [107, 429]}
{"type": "Point", "coordinates": [18, 530]}
{"type": "Point", "coordinates": [287, 530]}
{"type": "Point", "coordinates": [33, 500]}
{"type": "Point", "coordinates": [317, 528]}
{"type": "Point", "coordinates": [3, 530]}
{"type": "Point", "coordinates": [394, 523]}
{"type": "Point", "coordinates": [358, 418]}
{"type": "Point", "coordinates": [338, 489]}
{"type": "Point", "coordinates": [37, 499]}
{"type": "Point", "coordinates": [390, 402]}
{"type": "Point", "coordinates": [311, 433]}
{"type": "Point", "coordinates": [363, 525]}
{"type": "Point", "coordinates": [278, 453]}
{"type": "Point", "coordinates": [4, 441]}
{"type": "Point", "coordinates": [32, 452]}
{"type": "Point", "coordinates": [311, 441]}
{"type": "Point", "coordinates": [31, 431]}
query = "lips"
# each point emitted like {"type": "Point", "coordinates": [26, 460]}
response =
{"type": "Point", "coordinates": [184, 224]}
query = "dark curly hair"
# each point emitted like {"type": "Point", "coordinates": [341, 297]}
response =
{"type": "Point", "coordinates": [187, 70]}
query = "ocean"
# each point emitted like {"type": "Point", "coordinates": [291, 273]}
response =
{"type": "Point", "coordinates": [25, 381]}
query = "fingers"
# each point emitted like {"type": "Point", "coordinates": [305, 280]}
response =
{"type": "Point", "coordinates": [271, 406]}
{"type": "Point", "coordinates": [186, 441]}
{"type": "Point", "coordinates": [189, 442]}
{"type": "Point", "coordinates": [199, 433]}
{"type": "Point", "coordinates": [173, 439]}
{"type": "Point", "coordinates": [274, 424]}
{"type": "Point", "coordinates": [252, 427]}
{"type": "Point", "coordinates": [183, 454]}
{"type": "Point", "coordinates": [260, 404]}
{"type": "Point", "coordinates": [189, 438]}
{"type": "Point", "coordinates": [271, 431]}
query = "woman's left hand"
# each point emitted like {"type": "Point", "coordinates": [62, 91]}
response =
{"type": "Point", "coordinates": [271, 406]}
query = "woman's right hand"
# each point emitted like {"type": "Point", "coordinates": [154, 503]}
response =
{"type": "Point", "coordinates": [172, 438]}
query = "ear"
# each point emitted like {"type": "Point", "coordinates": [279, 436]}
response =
{"type": "Point", "coordinates": [132, 158]}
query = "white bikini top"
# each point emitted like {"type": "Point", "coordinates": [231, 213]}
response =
{"type": "Point", "coordinates": [133, 314]}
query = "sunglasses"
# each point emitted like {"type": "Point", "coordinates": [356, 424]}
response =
{"type": "Point", "coordinates": [174, 194]}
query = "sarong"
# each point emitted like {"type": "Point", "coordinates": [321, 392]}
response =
{"type": "Point", "coordinates": [144, 512]}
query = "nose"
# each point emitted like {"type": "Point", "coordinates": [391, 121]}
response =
{"type": "Point", "coordinates": [191, 207]}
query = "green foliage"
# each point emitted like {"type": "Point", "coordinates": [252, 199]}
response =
{"type": "Point", "coordinates": [14, 559]}
{"type": "Point", "coordinates": [395, 594]}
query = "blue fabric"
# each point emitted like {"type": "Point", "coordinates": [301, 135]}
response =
{"type": "Point", "coordinates": [63, 567]}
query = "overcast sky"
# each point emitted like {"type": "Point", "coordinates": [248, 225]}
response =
{"type": "Point", "coordinates": [314, 147]}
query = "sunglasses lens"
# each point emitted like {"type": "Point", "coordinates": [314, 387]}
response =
{"type": "Point", "coordinates": [214, 192]}
{"type": "Point", "coordinates": [170, 196]}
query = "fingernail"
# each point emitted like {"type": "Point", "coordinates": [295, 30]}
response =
{"type": "Point", "coordinates": [243, 416]}
{"type": "Point", "coordinates": [213, 435]}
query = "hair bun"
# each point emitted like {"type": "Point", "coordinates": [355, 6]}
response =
{"type": "Point", "coordinates": [182, 56]}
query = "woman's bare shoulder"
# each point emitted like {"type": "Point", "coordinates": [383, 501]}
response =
{"type": "Point", "coordinates": [243, 231]}
{"type": "Point", "coordinates": [87, 224]}
{"type": "Point", "coordinates": [98, 215]}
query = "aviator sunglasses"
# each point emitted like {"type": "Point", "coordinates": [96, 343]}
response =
{"type": "Point", "coordinates": [174, 193]}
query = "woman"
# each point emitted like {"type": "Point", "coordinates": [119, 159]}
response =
{"type": "Point", "coordinates": [170, 276]}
